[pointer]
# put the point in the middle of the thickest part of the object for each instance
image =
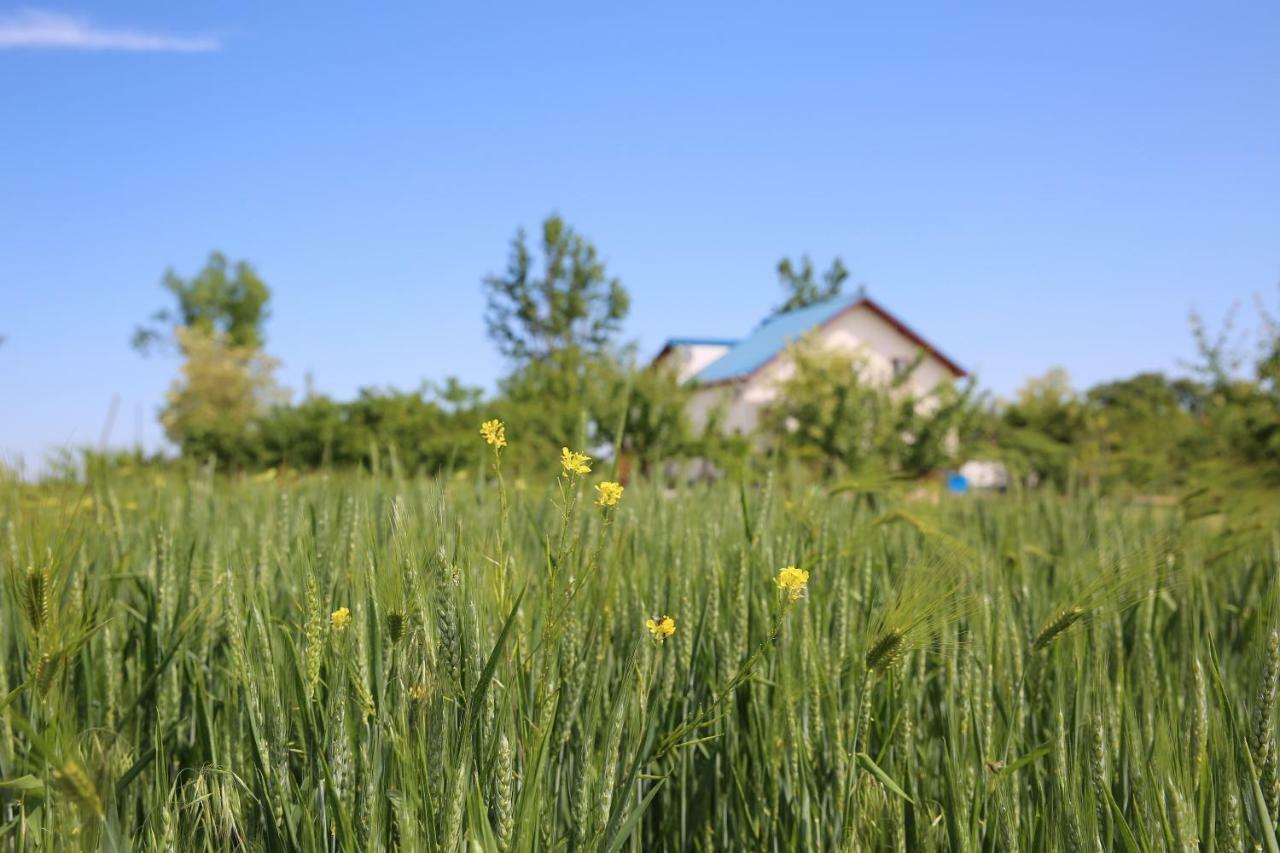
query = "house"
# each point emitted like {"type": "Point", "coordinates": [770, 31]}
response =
{"type": "Point", "coordinates": [741, 377]}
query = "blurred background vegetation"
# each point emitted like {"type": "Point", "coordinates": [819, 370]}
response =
{"type": "Point", "coordinates": [556, 314]}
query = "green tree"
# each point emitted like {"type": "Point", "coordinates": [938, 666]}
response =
{"type": "Point", "coordinates": [425, 431]}
{"type": "Point", "coordinates": [411, 428]}
{"type": "Point", "coordinates": [568, 302]}
{"type": "Point", "coordinates": [225, 300]}
{"type": "Point", "coordinates": [1150, 432]}
{"type": "Point", "coordinates": [454, 395]}
{"type": "Point", "coordinates": [314, 433]}
{"type": "Point", "coordinates": [1241, 411]}
{"type": "Point", "coordinates": [1038, 431]}
{"type": "Point", "coordinates": [564, 398]}
{"type": "Point", "coordinates": [830, 413]}
{"type": "Point", "coordinates": [1049, 404]}
{"type": "Point", "coordinates": [557, 319]}
{"type": "Point", "coordinates": [1219, 356]}
{"type": "Point", "coordinates": [227, 383]}
{"type": "Point", "coordinates": [656, 429]}
{"type": "Point", "coordinates": [213, 407]}
{"type": "Point", "coordinates": [801, 287]}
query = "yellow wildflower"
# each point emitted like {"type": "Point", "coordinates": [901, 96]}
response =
{"type": "Point", "coordinates": [792, 580]}
{"type": "Point", "coordinates": [495, 433]}
{"type": "Point", "coordinates": [340, 618]}
{"type": "Point", "coordinates": [661, 627]}
{"type": "Point", "coordinates": [608, 494]}
{"type": "Point", "coordinates": [574, 462]}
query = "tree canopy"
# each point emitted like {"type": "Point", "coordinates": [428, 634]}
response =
{"type": "Point", "coordinates": [223, 299]}
{"type": "Point", "coordinates": [801, 287]}
{"type": "Point", "coordinates": [569, 301]}
{"type": "Point", "coordinates": [213, 407]}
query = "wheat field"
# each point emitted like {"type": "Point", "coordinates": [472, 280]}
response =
{"type": "Point", "coordinates": [359, 662]}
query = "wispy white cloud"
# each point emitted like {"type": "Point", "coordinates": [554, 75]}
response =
{"type": "Point", "coordinates": [42, 29]}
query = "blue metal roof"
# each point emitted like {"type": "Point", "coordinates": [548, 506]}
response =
{"type": "Point", "coordinates": [770, 338]}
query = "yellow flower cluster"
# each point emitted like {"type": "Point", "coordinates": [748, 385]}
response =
{"type": "Point", "coordinates": [340, 618]}
{"type": "Point", "coordinates": [661, 627]}
{"type": "Point", "coordinates": [574, 462]}
{"type": "Point", "coordinates": [793, 581]}
{"type": "Point", "coordinates": [495, 433]}
{"type": "Point", "coordinates": [608, 494]}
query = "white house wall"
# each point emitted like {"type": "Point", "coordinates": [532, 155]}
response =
{"type": "Point", "coordinates": [736, 417]}
{"type": "Point", "coordinates": [691, 358]}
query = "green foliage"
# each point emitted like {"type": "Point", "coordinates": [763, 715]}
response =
{"type": "Point", "coordinates": [212, 409]}
{"type": "Point", "coordinates": [570, 382]}
{"type": "Point", "coordinates": [593, 401]}
{"type": "Point", "coordinates": [656, 429]}
{"type": "Point", "coordinates": [421, 431]}
{"type": "Point", "coordinates": [1147, 425]}
{"type": "Point", "coordinates": [1267, 369]}
{"type": "Point", "coordinates": [1149, 433]}
{"type": "Point", "coordinates": [567, 398]}
{"type": "Point", "coordinates": [832, 413]}
{"type": "Point", "coordinates": [802, 289]}
{"type": "Point", "coordinates": [369, 663]}
{"type": "Point", "coordinates": [1241, 412]}
{"type": "Point", "coordinates": [1038, 429]}
{"type": "Point", "coordinates": [224, 300]}
{"type": "Point", "coordinates": [569, 303]}
{"type": "Point", "coordinates": [226, 382]}
{"type": "Point", "coordinates": [562, 398]}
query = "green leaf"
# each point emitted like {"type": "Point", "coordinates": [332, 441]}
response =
{"type": "Point", "coordinates": [1017, 764]}
{"type": "Point", "coordinates": [22, 783]}
{"type": "Point", "coordinates": [626, 827]}
{"type": "Point", "coordinates": [885, 779]}
{"type": "Point", "coordinates": [1126, 834]}
{"type": "Point", "coordinates": [486, 674]}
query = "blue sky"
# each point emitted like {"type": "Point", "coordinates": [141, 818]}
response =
{"type": "Point", "coordinates": [1025, 188]}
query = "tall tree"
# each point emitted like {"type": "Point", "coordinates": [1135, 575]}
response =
{"type": "Point", "coordinates": [223, 300]}
{"type": "Point", "coordinates": [216, 324]}
{"type": "Point", "coordinates": [801, 287]}
{"type": "Point", "coordinates": [211, 408]}
{"type": "Point", "coordinates": [568, 302]}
